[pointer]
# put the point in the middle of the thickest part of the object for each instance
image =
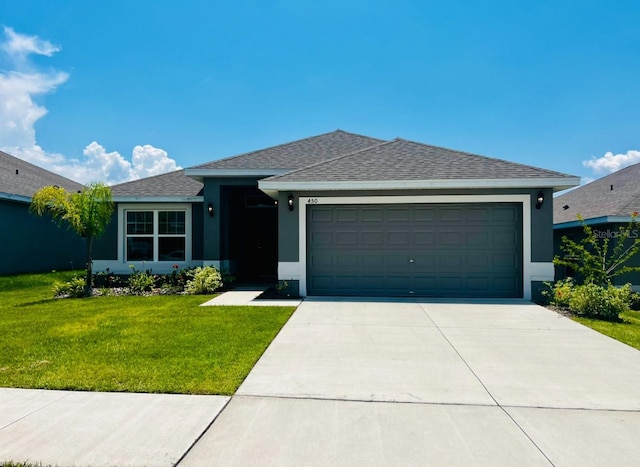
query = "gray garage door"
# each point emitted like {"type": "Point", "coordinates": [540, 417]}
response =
{"type": "Point", "coordinates": [437, 250]}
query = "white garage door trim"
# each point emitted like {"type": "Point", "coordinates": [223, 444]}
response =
{"type": "Point", "coordinates": [530, 271]}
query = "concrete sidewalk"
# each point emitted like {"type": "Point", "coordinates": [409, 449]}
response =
{"type": "Point", "coordinates": [368, 382]}
{"type": "Point", "coordinates": [101, 429]}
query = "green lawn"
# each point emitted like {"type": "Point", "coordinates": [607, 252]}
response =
{"type": "Point", "coordinates": [139, 344]}
{"type": "Point", "coordinates": [628, 331]}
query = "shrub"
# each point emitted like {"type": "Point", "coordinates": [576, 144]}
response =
{"type": "Point", "coordinates": [560, 293]}
{"type": "Point", "coordinates": [205, 281]}
{"type": "Point", "coordinates": [75, 288]}
{"type": "Point", "coordinates": [634, 302]}
{"type": "Point", "coordinates": [600, 302]}
{"type": "Point", "coordinates": [140, 282]}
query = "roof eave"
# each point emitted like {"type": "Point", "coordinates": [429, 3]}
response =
{"type": "Point", "coordinates": [158, 199]}
{"type": "Point", "coordinates": [14, 197]}
{"type": "Point", "coordinates": [557, 184]}
{"type": "Point", "coordinates": [201, 174]}
{"type": "Point", "coordinates": [593, 221]}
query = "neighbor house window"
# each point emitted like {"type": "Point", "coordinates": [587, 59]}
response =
{"type": "Point", "coordinates": [155, 235]}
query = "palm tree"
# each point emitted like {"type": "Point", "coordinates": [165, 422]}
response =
{"type": "Point", "coordinates": [87, 212]}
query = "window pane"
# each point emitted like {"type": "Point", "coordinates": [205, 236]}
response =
{"type": "Point", "coordinates": [140, 222]}
{"type": "Point", "coordinates": [171, 249]}
{"type": "Point", "coordinates": [171, 222]}
{"type": "Point", "coordinates": [139, 249]}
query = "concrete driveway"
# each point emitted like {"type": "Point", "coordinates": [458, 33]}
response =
{"type": "Point", "coordinates": [371, 382]}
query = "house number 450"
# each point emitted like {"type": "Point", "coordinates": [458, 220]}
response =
{"type": "Point", "coordinates": [312, 201]}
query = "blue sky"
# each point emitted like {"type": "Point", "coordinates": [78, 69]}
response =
{"type": "Point", "coordinates": [116, 90]}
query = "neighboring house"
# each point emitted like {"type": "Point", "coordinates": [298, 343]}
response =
{"type": "Point", "coordinates": [29, 243]}
{"type": "Point", "coordinates": [345, 214]}
{"type": "Point", "coordinates": [605, 204]}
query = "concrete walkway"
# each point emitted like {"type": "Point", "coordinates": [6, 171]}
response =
{"type": "Point", "coordinates": [249, 296]}
{"type": "Point", "coordinates": [369, 382]}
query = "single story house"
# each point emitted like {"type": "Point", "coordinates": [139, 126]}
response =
{"type": "Point", "coordinates": [605, 205]}
{"type": "Point", "coordinates": [346, 214]}
{"type": "Point", "coordinates": [30, 243]}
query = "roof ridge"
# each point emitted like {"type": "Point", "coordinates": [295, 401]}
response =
{"type": "Point", "coordinates": [244, 154]}
{"type": "Point", "coordinates": [352, 153]}
{"type": "Point", "coordinates": [466, 153]}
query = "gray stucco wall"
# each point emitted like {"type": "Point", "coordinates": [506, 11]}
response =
{"type": "Point", "coordinates": [197, 231]}
{"type": "Point", "coordinates": [541, 219]}
{"type": "Point", "coordinates": [106, 246]}
{"type": "Point", "coordinates": [288, 234]}
{"type": "Point", "coordinates": [29, 243]}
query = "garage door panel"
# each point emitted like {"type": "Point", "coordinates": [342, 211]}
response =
{"type": "Point", "coordinates": [478, 214]}
{"type": "Point", "coordinates": [346, 215]}
{"type": "Point", "coordinates": [424, 237]}
{"type": "Point", "coordinates": [370, 261]}
{"type": "Point", "coordinates": [478, 284]}
{"type": "Point", "coordinates": [351, 262]}
{"type": "Point", "coordinates": [506, 214]}
{"type": "Point", "coordinates": [428, 250]}
{"type": "Point", "coordinates": [398, 214]}
{"type": "Point", "coordinates": [476, 261]}
{"type": "Point", "coordinates": [399, 238]}
{"type": "Point", "coordinates": [424, 214]}
{"type": "Point", "coordinates": [346, 238]}
{"type": "Point", "coordinates": [373, 238]}
{"type": "Point", "coordinates": [477, 239]}
{"type": "Point", "coordinates": [322, 214]}
{"type": "Point", "coordinates": [320, 262]}
{"type": "Point", "coordinates": [450, 237]}
{"type": "Point", "coordinates": [370, 214]}
{"type": "Point", "coordinates": [321, 238]}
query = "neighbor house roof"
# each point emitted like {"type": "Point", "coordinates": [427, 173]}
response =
{"type": "Point", "coordinates": [288, 156]}
{"type": "Point", "coordinates": [406, 164]}
{"type": "Point", "coordinates": [616, 195]}
{"type": "Point", "coordinates": [20, 180]}
{"type": "Point", "coordinates": [170, 185]}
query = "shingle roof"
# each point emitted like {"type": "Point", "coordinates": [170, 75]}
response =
{"type": "Point", "coordinates": [401, 159]}
{"type": "Point", "coordinates": [18, 177]}
{"type": "Point", "coordinates": [169, 184]}
{"type": "Point", "coordinates": [296, 154]}
{"type": "Point", "coordinates": [617, 194]}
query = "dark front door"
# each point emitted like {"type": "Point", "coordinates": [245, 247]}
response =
{"type": "Point", "coordinates": [439, 250]}
{"type": "Point", "coordinates": [251, 240]}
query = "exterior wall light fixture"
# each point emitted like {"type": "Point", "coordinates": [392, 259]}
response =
{"type": "Point", "coordinates": [290, 202]}
{"type": "Point", "coordinates": [210, 210]}
{"type": "Point", "coordinates": [539, 200]}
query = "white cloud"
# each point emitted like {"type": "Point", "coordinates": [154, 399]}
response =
{"type": "Point", "coordinates": [111, 167]}
{"type": "Point", "coordinates": [148, 161]}
{"type": "Point", "coordinates": [20, 46]}
{"type": "Point", "coordinates": [19, 114]}
{"type": "Point", "coordinates": [610, 162]}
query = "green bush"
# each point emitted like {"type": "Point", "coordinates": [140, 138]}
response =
{"type": "Point", "coordinates": [205, 281]}
{"type": "Point", "coordinates": [140, 282]}
{"type": "Point", "coordinates": [75, 288]}
{"type": "Point", "coordinates": [600, 302]}
{"type": "Point", "coordinates": [634, 302]}
{"type": "Point", "coordinates": [560, 293]}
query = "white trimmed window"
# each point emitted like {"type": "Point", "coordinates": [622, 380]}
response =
{"type": "Point", "coordinates": [156, 233]}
